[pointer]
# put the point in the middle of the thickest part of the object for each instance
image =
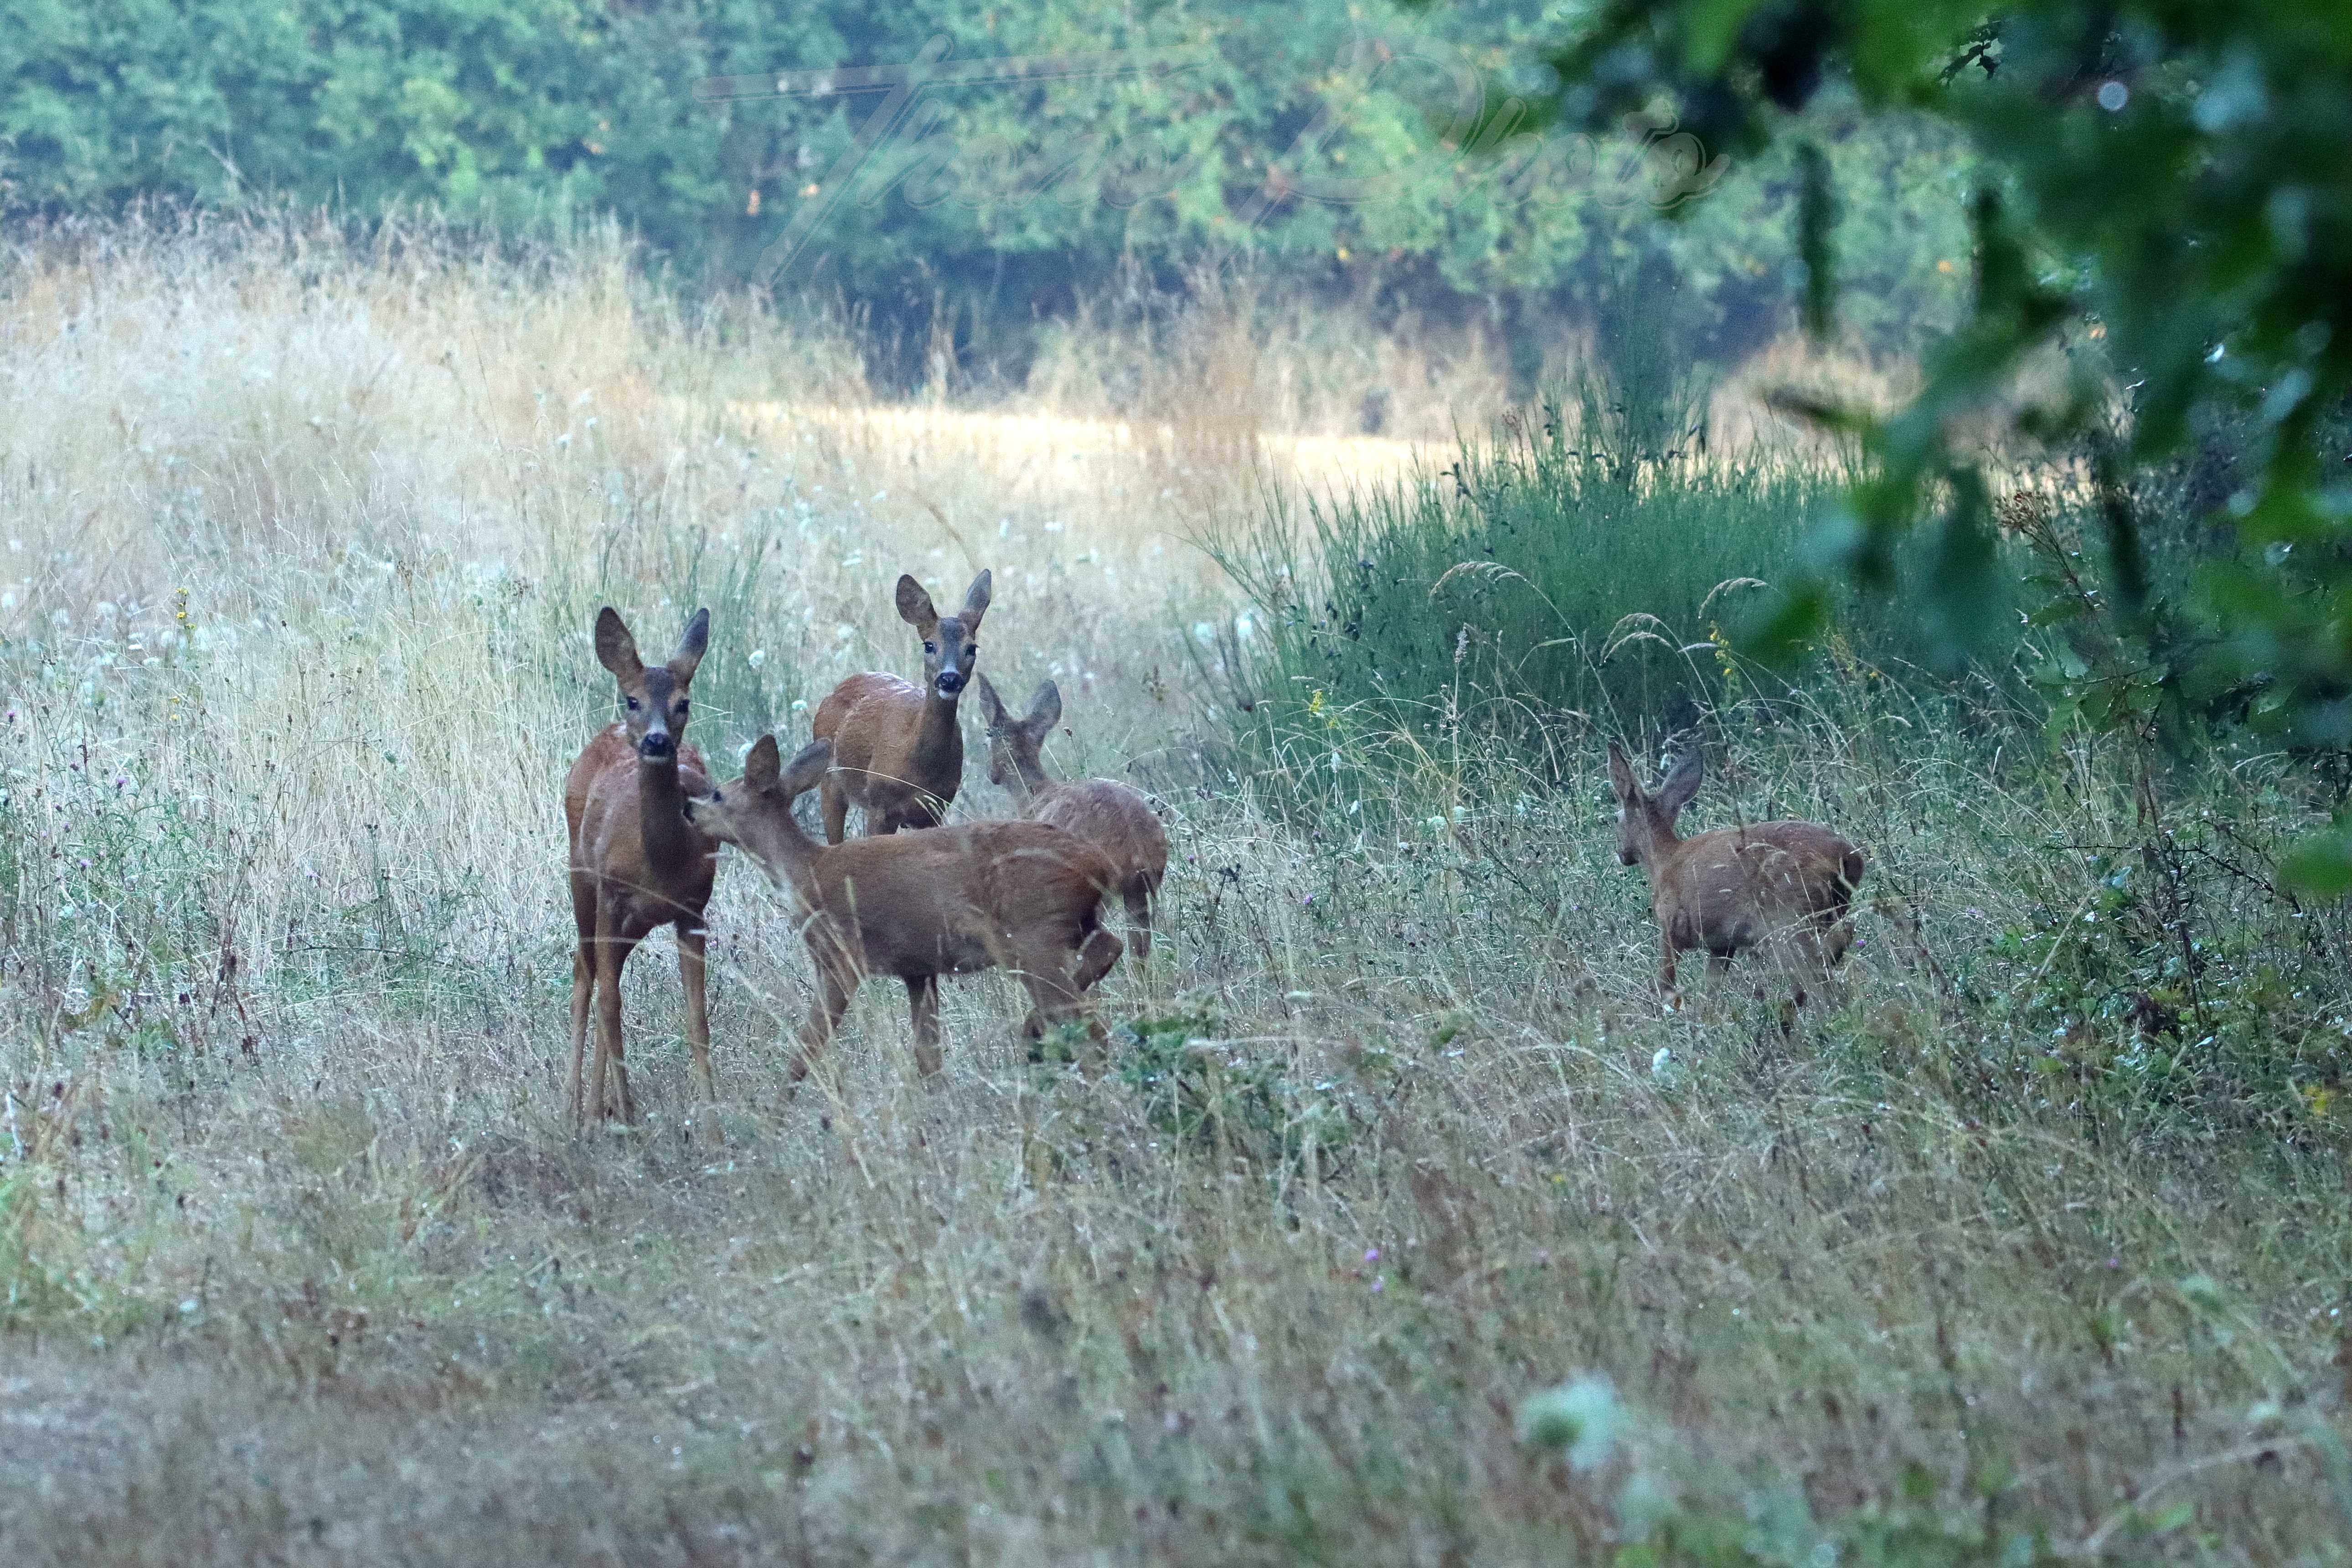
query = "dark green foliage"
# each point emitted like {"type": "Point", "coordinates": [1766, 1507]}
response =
{"type": "Point", "coordinates": [1229, 1098]}
{"type": "Point", "coordinates": [2173, 171]}
{"type": "Point", "coordinates": [1374, 165]}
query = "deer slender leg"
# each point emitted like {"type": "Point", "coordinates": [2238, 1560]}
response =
{"type": "Point", "coordinates": [583, 989]}
{"type": "Point", "coordinates": [923, 1008]}
{"type": "Point", "coordinates": [1666, 969]}
{"type": "Point", "coordinates": [1139, 922]}
{"type": "Point", "coordinates": [835, 987]}
{"type": "Point", "coordinates": [612, 950]}
{"type": "Point", "coordinates": [693, 974]}
{"type": "Point", "coordinates": [1101, 950]}
{"type": "Point", "coordinates": [1054, 998]}
{"type": "Point", "coordinates": [832, 801]}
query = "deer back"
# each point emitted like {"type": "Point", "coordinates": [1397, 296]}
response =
{"type": "Point", "coordinates": [1731, 888]}
{"type": "Point", "coordinates": [960, 898]}
{"type": "Point", "coordinates": [1115, 819]}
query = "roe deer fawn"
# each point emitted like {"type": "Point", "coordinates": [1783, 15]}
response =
{"type": "Point", "coordinates": [636, 863]}
{"type": "Point", "coordinates": [953, 901]}
{"type": "Point", "coordinates": [1781, 885]}
{"type": "Point", "coordinates": [1112, 816]}
{"type": "Point", "coordinates": [897, 750]}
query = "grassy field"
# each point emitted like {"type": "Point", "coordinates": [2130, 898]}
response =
{"type": "Point", "coordinates": [1408, 1228]}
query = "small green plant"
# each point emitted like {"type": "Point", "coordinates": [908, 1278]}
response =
{"type": "Point", "coordinates": [1216, 1094]}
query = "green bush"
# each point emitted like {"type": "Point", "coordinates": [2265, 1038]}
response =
{"type": "Point", "coordinates": [1566, 576]}
{"type": "Point", "coordinates": [1213, 1094]}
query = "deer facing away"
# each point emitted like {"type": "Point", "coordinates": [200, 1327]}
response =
{"type": "Point", "coordinates": [1112, 816]}
{"type": "Point", "coordinates": [898, 749]}
{"type": "Point", "coordinates": [636, 863]}
{"type": "Point", "coordinates": [1783, 887]}
{"type": "Point", "coordinates": [1018, 895]}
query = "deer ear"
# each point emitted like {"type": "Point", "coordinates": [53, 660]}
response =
{"type": "Point", "coordinates": [990, 703]}
{"type": "Point", "coordinates": [1621, 777]}
{"type": "Point", "coordinates": [1682, 783]}
{"type": "Point", "coordinates": [808, 767]}
{"type": "Point", "coordinates": [915, 606]}
{"type": "Point", "coordinates": [975, 601]}
{"type": "Point", "coordinates": [690, 644]}
{"type": "Point", "coordinates": [617, 650]}
{"type": "Point", "coordinates": [760, 767]}
{"type": "Point", "coordinates": [1045, 708]}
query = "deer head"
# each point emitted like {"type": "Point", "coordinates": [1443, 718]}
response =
{"type": "Point", "coordinates": [948, 649]}
{"type": "Point", "coordinates": [655, 707]}
{"type": "Point", "coordinates": [755, 813]}
{"type": "Point", "coordinates": [1645, 823]}
{"type": "Point", "coordinates": [1014, 743]}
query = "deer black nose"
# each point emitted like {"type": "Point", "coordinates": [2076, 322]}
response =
{"type": "Point", "coordinates": [655, 744]}
{"type": "Point", "coordinates": [952, 681]}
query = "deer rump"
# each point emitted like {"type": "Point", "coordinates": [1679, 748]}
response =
{"type": "Point", "coordinates": [980, 896]}
{"type": "Point", "coordinates": [1750, 886]}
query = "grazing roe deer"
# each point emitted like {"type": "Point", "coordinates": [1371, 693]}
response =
{"type": "Point", "coordinates": [1112, 816]}
{"type": "Point", "coordinates": [1783, 886]}
{"type": "Point", "coordinates": [1019, 896]}
{"type": "Point", "coordinates": [898, 749]}
{"type": "Point", "coordinates": [636, 863]}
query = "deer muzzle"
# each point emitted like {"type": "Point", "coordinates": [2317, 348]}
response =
{"type": "Point", "coordinates": [949, 682]}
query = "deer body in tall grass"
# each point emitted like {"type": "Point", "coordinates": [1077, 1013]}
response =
{"type": "Point", "coordinates": [1018, 895]}
{"type": "Point", "coordinates": [898, 748]}
{"type": "Point", "coordinates": [1112, 816]}
{"type": "Point", "coordinates": [1782, 887]}
{"type": "Point", "coordinates": [636, 863]}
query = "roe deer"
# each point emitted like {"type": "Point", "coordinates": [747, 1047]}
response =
{"type": "Point", "coordinates": [1112, 816]}
{"type": "Point", "coordinates": [953, 901]}
{"type": "Point", "coordinates": [1783, 885]}
{"type": "Point", "coordinates": [897, 750]}
{"type": "Point", "coordinates": [636, 863]}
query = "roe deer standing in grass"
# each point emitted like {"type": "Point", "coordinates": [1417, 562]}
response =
{"type": "Point", "coordinates": [953, 901]}
{"type": "Point", "coordinates": [636, 863]}
{"type": "Point", "coordinates": [1779, 885]}
{"type": "Point", "coordinates": [898, 749]}
{"type": "Point", "coordinates": [1112, 816]}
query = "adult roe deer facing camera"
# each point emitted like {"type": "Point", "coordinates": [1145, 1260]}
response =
{"type": "Point", "coordinates": [1112, 816]}
{"type": "Point", "coordinates": [1782, 886]}
{"type": "Point", "coordinates": [898, 750]}
{"type": "Point", "coordinates": [953, 900]}
{"type": "Point", "coordinates": [636, 863]}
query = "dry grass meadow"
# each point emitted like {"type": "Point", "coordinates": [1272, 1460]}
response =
{"type": "Point", "coordinates": [299, 1263]}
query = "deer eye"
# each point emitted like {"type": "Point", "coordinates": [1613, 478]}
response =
{"type": "Point", "coordinates": [930, 648]}
{"type": "Point", "coordinates": [633, 704]}
{"type": "Point", "coordinates": [681, 711]}
{"type": "Point", "coordinates": [970, 650]}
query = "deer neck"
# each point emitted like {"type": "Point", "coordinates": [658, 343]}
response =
{"type": "Point", "coordinates": [938, 741]}
{"type": "Point", "coordinates": [1029, 780]}
{"type": "Point", "coordinates": [1658, 855]}
{"type": "Point", "coordinates": [796, 854]}
{"type": "Point", "coordinates": [672, 845]}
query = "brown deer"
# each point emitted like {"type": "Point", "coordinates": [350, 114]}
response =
{"type": "Point", "coordinates": [953, 901]}
{"type": "Point", "coordinates": [897, 750]}
{"type": "Point", "coordinates": [1783, 886]}
{"type": "Point", "coordinates": [636, 863]}
{"type": "Point", "coordinates": [1112, 816]}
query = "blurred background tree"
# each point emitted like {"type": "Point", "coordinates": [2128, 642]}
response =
{"type": "Point", "coordinates": [1352, 151]}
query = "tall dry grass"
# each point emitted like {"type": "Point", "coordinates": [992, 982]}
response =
{"type": "Point", "coordinates": [299, 1263]}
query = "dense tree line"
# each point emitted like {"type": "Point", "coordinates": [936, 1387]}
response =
{"type": "Point", "coordinates": [1347, 148]}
